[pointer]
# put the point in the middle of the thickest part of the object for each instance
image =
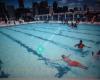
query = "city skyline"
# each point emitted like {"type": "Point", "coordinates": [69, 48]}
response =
{"type": "Point", "coordinates": [28, 3]}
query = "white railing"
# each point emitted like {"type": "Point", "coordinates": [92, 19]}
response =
{"type": "Point", "coordinates": [62, 16]}
{"type": "Point", "coordinates": [58, 16]}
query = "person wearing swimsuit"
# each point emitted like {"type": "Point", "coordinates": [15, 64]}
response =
{"type": "Point", "coordinates": [73, 63]}
{"type": "Point", "coordinates": [80, 45]}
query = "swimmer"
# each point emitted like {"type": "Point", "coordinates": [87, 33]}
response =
{"type": "Point", "coordinates": [72, 25]}
{"type": "Point", "coordinates": [80, 45]}
{"type": "Point", "coordinates": [75, 25]}
{"type": "Point", "coordinates": [73, 63]}
{"type": "Point", "coordinates": [1, 62]}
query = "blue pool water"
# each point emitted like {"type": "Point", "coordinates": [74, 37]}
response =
{"type": "Point", "coordinates": [34, 50]}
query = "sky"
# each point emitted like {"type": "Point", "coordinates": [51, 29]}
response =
{"type": "Point", "coordinates": [28, 3]}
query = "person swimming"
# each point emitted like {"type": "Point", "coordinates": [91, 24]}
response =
{"type": "Point", "coordinates": [73, 63]}
{"type": "Point", "coordinates": [1, 64]}
{"type": "Point", "coordinates": [75, 25]}
{"type": "Point", "coordinates": [80, 45]}
{"type": "Point", "coordinates": [72, 25]}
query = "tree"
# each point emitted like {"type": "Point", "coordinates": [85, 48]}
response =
{"type": "Point", "coordinates": [35, 8]}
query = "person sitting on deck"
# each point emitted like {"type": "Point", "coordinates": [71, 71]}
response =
{"type": "Point", "coordinates": [73, 63]}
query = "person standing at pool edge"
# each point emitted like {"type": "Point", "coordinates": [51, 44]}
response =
{"type": "Point", "coordinates": [73, 63]}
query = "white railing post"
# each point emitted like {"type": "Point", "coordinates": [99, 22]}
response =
{"type": "Point", "coordinates": [52, 17]}
{"type": "Point", "coordinates": [58, 17]}
{"type": "Point", "coordinates": [65, 15]}
{"type": "Point", "coordinates": [47, 16]}
{"type": "Point", "coordinates": [42, 17]}
{"type": "Point", "coordinates": [39, 18]}
{"type": "Point", "coordinates": [73, 17]}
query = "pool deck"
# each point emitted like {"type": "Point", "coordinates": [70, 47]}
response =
{"type": "Point", "coordinates": [49, 79]}
{"type": "Point", "coordinates": [17, 23]}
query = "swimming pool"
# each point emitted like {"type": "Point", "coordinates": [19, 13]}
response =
{"type": "Point", "coordinates": [34, 50]}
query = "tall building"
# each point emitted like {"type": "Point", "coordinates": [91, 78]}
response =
{"type": "Point", "coordinates": [35, 8]}
{"type": "Point", "coordinates": [55, 6]}
{"type": "Point", "coordinates": [3, 11]}
{"type": "Point", "coordinates": [70, 3]}
{"type": "Point", "coordinates": [21, 3]}
{"type": "Point", "coordinates": [91, 4]}
{"type": "Point", "coordinates": [11, 11]}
